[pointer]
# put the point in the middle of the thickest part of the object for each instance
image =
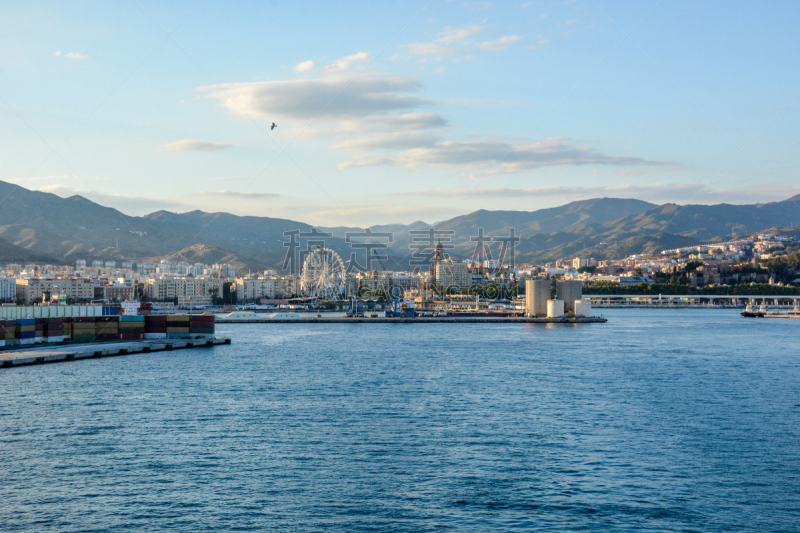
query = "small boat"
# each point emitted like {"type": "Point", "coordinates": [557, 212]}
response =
{"type": "Point", "coordinates": [752, 312]}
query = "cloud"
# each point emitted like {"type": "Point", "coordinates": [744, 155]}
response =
{"type": "Point", "coordinates": [305, 66]}
{"type": "Point", "coordinates": [371, 116]}
{"type": "Point", "coordinates": [241, 195]}
{"type": "Point", "coordinates": [457, 35]}
{"type": "Point", "coordinates": [346, 63]}
{"type": "Point", "coordinates": [71, 55]}
{"type": "Point", "coordinates": [655, 192]}
{"type": "Point", "coordinates": [404, 121]}
{"type": "Point", "coordinates": [193, 146]}
{"type": "Point", "coordinates": [378, 213]}
{"type": "Point", "coordinates": [540, 44]}
{"type": "Point", "coordinates": [500, 156]}
{"type": "Point", "coordinates": [390, 141]}
{"type": "Point", "coordinates": [122, 202]}
{"type": "Point", "coordinates": [449, 42]}
{"type": "Point", "coordinates": [329, 96]}
{"type": "Point", "coordinates": [429, 49]}
{"type": "Point", "coordinates": [499, 44]}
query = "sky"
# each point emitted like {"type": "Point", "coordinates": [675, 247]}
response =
{"type": "Point", "coordinates": [392, 112]}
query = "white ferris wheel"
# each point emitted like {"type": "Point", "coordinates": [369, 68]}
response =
{"type": "Point", "coordinates": [324, 275]}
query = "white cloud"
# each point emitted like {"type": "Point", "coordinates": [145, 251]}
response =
{"type": "Point", "coordinates": [405, 121]}
{"type": "Point", "coordinates": [540, 44]}
{"type": "Point", "coordinates": [241, 195]}
{"type": "Point", "coordinates": [457, 35]}
{"type": "Point", "coordinates": [500, 156]}
{"type": "Point", "coordinates": [378, 213]}
{"type": "Point", "coordinates": [499, 44]}
{"type": "Point", "coordinates": [329, 96]}
{"type": "Point", "coordinates": [75, 55]}
{"type": "Point", "coordinates": [58, 54]}
{"type": "Point", "coordinates": [449, 43]}
{"type": "Point", "coordinates": [305, 66]}
{"type": "Point", "coordinates": [189, 145]}
{"type": "Point", "coordinates": [122, 202]}
{"type": "Point", "coordinates": [389, 141]}
{"type": "Point", "coordinates": [654, 192]}
{"type": "Point", "coordinates": [346, 63]}
{"type": "Point", "coordinates": [370, 115]}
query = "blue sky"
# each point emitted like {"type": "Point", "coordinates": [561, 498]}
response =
{"type": "Point", "coordinates": [394, 112]}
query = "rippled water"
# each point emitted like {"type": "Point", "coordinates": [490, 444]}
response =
{"type": "Point", "coordinates": [660, 420]}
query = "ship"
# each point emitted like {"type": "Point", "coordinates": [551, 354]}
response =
{"type": "Point", "coordinates": [751, 312]}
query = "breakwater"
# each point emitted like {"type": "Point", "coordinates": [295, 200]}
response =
{"type": "Point", "coordinates": [413, 320]}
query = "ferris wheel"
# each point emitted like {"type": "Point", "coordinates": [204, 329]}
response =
{"type": "Point", "coordinates": [324, 274]}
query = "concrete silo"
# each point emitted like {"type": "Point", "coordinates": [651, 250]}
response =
{"type": "Point", "coordinates": [568, 291]}
{"type": "Point", "coordinates": [537, 292]}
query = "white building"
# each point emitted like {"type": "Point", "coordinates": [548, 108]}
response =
{"type": "Point", "coordinates": [8, 289]}
{"type": "Point", "coordinates": [453, 274]}
{"type": "Point", "coordinates": [253, 289]}
{"type": "Point", "coordinates": [225, 270]}
{"type": "Point", "coordinates": [31, 290]}
{"type": "Point", "coordinates": [188, 290]}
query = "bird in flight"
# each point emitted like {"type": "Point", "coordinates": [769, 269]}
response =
{"type": "Point", "coordinates": [273, 126]}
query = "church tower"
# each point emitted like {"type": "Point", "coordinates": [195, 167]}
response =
{"type": "Point", "coordinates": [438, 257]}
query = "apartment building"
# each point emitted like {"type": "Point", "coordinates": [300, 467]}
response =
{"type": "Point", "coordinates": [8, 289]}
{"type": "Point", "coordinates": [253, 289]}
{"type": "Point", "coordinates": [188, 290]}
{"type": "Point", "coordinates": [118, 292]}
{"type": "Point", "coordinates": [453, 274]}
{"type": "Point", "coordinates": [32, 289]}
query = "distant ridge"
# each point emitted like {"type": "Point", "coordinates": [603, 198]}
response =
{"type": "Point", "coordinates": [39, 226]}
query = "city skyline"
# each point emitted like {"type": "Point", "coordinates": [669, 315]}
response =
{"type": "Point", "coordinates": [398, 112]}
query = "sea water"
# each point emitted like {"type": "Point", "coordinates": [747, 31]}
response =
{"type": "Point", "coordinates": [659, 420]}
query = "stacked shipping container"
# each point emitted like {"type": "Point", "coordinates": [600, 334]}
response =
{"type": "Point", "coordinates": [25, 331]}
{"type": "Point", "coordinates": [201, 324]}
{"type": "Point", "coordinates": [39, 330]}
{"type": "Point", "coordinates": [177, 326]}
{"type": "Point", "coordinates": [54, 330]}
{"type": "Point", "coordinates": [131, 327]}
{"type": "Point", "coordinates": [84, 329]}
{"type": "Point", "coordinates": [155, 327]}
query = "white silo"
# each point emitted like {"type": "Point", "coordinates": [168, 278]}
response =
{"type": "Point", "coordinates": [537, 292]}
{"type": "Point", "coordinates": [555, 308]}
{"type": "Point", "coordinates": [583, 308]}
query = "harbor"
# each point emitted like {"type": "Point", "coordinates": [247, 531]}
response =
{"type": "Point", "coordinates": [298, 319]}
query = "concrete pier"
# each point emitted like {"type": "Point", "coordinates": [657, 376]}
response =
{"type": "Point", "coordinates": [11, 358]}
{"type": "Point", "coordinates": [416, 320]}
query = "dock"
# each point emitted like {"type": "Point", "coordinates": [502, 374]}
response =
{"type": "Point", "coordinates": [415, 320]}
{"type": "Point", "coordinates": [47, 354]}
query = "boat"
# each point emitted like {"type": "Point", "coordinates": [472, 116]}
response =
{"type": "Point", "coordinates": [751, 312]}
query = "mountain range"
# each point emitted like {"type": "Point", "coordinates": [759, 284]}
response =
{"type": "Point", "coordinates": [39, 226]}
